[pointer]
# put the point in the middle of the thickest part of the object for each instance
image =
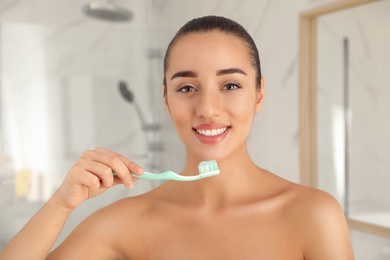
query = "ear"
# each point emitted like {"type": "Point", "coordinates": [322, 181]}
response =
{"type": "Point", "coordinates": [164, 89]}
{"type": "Point", "coordinates": [260, 96]}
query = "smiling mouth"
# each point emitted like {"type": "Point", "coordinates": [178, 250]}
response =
{"type": "Point", "coordinates": [212, 132]}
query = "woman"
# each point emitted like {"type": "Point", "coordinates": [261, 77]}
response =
{"type": "Point", "coordinates": [212, 80]}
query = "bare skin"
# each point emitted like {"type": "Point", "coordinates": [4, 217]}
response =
{"type": "Point", "coordinates": [176, 222]}
{"type": "Point", "coordinates": [244, 213]}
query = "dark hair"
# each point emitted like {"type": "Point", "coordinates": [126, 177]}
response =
{"type": "Point", "coordinates": [216, 23]}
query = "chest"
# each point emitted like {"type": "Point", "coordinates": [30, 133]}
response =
{"type": "Point", "coordinates": [247, 236]}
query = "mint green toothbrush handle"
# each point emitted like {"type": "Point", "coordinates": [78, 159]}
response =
{"type": "Point", "coordinates": [155, 176]}
{"type": "Point", "coordinates": [169, 175]}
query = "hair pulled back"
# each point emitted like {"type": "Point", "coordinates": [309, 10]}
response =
{"type": "Point", "coordinates": [216, 23]}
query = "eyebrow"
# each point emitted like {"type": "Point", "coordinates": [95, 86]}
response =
{"type": "Point", "coordinates": [192, 74]}
{"type": "Point", "coordinates": [184, 74]}
{"type": "Point", "coordinates": [230, 71]}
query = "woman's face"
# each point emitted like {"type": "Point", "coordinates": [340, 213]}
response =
{"type": "Point", "coordinates": [211, 93]}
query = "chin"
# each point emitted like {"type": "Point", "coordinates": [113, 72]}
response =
{"type": "Point", "coordinates": [207, 155]}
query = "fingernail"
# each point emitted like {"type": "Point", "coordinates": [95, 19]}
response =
{"type": "Point", "coordinates": [139, 170]}
{"type": "Point", "coordinates": [130, 185]}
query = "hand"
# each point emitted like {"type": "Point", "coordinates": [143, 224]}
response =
{"type": "Point", "coordinates": [92, 175]}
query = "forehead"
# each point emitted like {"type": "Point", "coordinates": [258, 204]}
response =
{"type": "Point", "coordinates": [214, 48]}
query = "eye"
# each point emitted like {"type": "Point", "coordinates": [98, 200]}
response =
{"type": "Point", "coordinates": [185, 89]}
{"type": "Point", "coordinates": [232, 86]}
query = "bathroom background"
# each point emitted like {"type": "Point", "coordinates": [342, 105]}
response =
{"type": "Point", "coordinates": [60, 73]}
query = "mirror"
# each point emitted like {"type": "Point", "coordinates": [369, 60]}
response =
{"type": "Point", "coordinates": [345, 113]}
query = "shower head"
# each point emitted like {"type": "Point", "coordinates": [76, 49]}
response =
{"type": "Point", "coordinates": [125, 92]}
{"type": "Point", "coordinates": [108, 11]}
{"type": "Point", "coordinates": [128, 95]}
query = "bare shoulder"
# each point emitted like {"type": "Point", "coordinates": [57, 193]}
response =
{"type": "Point", "coordinates": [107, 233]}
{"type": "Point", "coordinates": [320, 223]}
{"type": "Point", "coordinates": [314, 201]}
{"type": "Point", "coordinates": [300, 198]}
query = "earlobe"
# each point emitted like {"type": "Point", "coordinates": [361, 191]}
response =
{"type": "Point", "coordinates": [260, 96]}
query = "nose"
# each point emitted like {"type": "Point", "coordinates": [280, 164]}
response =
{"type": "Point", "coordinates": [209, 104]}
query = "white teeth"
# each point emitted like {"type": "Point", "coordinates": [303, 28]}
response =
{"type": "Point", "coordinates": [212, 132]}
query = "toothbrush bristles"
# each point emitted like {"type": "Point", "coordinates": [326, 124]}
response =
{"type": "Point", "coordinates": [208, 166]}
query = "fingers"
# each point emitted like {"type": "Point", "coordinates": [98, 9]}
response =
{"type": "Point", "coordinates": [103, 163]}
{"type": "Point", "coordinates": [92, 175]}
{"type": "Point", "coordinates": [84, 177]}
{"type": "Point", "coordinates": [99, 173]}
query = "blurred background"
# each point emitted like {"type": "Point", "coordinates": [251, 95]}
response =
{"type": "Point", "coordinates": [75, 75]}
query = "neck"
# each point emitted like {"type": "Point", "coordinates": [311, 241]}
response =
{"type": "Point", "coordinates": [238, 177]}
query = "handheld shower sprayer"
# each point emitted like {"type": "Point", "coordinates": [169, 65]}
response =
{"type": "Point", "coordinates": [154, 145]}
{"type": "Point", "coordinates": [125, 92]}
{"type": "Point", "coordinates": [128, 95]}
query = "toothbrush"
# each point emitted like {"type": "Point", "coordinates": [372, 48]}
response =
{"type": "Point", "coordinates": [206, 169]}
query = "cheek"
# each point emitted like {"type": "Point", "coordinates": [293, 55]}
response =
{"type": "Point", "coordinates": [243, 115]}
{"type": "Point", "coordinates": [245, 106]}
{"type": "Point", "coordinates": [181, 118]}
{"type": "Point", "coordinates": [179, 112]}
